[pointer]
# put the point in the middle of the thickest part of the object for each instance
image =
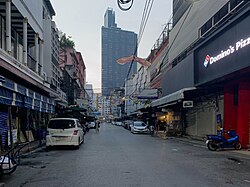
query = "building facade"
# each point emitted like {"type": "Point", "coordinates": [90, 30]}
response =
{"type": "Point", "coordinates": [73, 68]}
{"type": "Point", "coordinates": [116, 43]}
{"type": "Point", "coordinates": [26, 101]}
{"type": "Point", "coordinates": [209, 69]}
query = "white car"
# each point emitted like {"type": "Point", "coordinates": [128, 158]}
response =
{"type": "Point", "coordinates": [139, 127]}
{"type": "Point", "coordinates": [64, 131]}
{"type": "Point", "coordinates": [118, 123]}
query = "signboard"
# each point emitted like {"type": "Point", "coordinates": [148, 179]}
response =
{"type": "Point", "coordinates": [187, 104]}
{"type": "Point", "coordinates": [14, 136]}
{"type": "Point", "coordinates": [148, 94]}
{"type": "Point", "coordinates": [225, 53]}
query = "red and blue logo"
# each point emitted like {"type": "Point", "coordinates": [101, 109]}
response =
{"type": "Point", "coordinates": [206, 61]}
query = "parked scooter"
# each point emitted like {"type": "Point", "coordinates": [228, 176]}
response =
{"type": "Point", "coordinates": [215, 142]}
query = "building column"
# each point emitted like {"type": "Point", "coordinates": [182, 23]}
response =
{"type": "Point", "coordinates": [244, 112]}
{"type": "Point", "coordinates": [8, 26]}
{"type": "Point", "coordinates": [25, 40]}
{"type": "Point", "coordinates": [41, 45]}
{"type": "Point", "coordinates": [230, 108]}
{"type": "Point", "coordinates": [37, 51]}
{"type": "Point", "coordinates": [3, 33]}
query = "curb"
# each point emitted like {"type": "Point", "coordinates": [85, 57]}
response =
{"type": "Point", "coordinates": [244, 154]}
{"type": "Point", "coordinates": [191, 141]}
{"type": "Point", "coordinates": [34, 150]}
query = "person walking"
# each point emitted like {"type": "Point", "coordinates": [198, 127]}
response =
{"type": "Point", "coordinates": [97, 126]}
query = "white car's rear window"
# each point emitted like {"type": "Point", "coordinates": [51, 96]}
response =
{"type": "Point", "coordinates": [61, 124]}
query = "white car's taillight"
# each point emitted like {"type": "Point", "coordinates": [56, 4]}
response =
{"type": "Point", "coordinates": [75, 132]}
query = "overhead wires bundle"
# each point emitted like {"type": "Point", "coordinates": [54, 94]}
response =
{"type": "Point", "coordinates": [146, 12]}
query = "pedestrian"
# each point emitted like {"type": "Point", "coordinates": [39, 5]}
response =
{"type": "Point", "coordinates": [151, 130]}
{"type": "Point", "coordinates": [97, 126]}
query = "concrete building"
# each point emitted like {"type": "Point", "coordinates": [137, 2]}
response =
{"type": "Point", "coordinates": [25, 98]}
{"type": "Point", "coordinates": [206, 85]}
{"type": "Point", "coordinates": [73, 68]}
{"type": "Point", "coordinates": [89, 96]}
{"type": "Point", "coordinates": [106, 107]}
{"type": "Point", "coordinates": [116, 43]}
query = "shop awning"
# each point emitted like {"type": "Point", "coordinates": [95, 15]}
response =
{"type": "Point", "coordinates": [178, 95]}
{"type": "Point", "coordinates": [148, 94]}
{"type": "Point", "coordinates": [61, 102]}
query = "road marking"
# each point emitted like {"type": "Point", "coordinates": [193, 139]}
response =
{"type": "Point", "coordinates": [247, 181]}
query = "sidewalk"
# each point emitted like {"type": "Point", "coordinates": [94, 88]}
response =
{"type": "Point", "coordinates": [202, 143]}
{"type": "Point", "coordinates": [31, 148]}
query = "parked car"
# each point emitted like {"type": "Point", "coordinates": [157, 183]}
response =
{"type": "Point", "coordinates": [118, 123]}
{"type": "Point", "coordinates": [127, 124]}
{"type": "Point", "coordinates": [91, 125]}
{"type": "Point", "coordinates": [64, 131]}
{"type": "Point", "coordinates": [139, 127]}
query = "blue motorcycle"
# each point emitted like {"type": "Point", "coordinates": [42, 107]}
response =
{"type": "Point", "coordinates": [215, 142]}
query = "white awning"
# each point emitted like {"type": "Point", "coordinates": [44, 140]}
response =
{"type": "Point", "coordinates": [178, 95]}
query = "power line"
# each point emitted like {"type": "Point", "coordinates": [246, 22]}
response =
{"type": "Point", "coordinates": [177, 34]}
{"type": "Point", "coordinates": [144, 20]}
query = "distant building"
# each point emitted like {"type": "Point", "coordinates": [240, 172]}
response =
{"type": "Point", "coordinates": [73, 68]}
{"type": "Point", "coordinates": [97, 102]}
{"type": "Point", "coordinates": [116, 43]}
{"type": "Point", "coordinates": [89, 95]}
{"type": "Point", "coordinates": [106, 107]}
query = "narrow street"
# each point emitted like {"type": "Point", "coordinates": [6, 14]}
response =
{"type": "Point", "coordinates": [115, 157]}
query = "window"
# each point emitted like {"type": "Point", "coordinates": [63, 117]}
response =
{"type": "Point", "coordinates": [221, 13]}
{"type": "Point", "coordinates": [234, 3]}
{"type": "Point", "coordinates": [61, 124]}
{"type": "Point", "coordinates": [206, 27]}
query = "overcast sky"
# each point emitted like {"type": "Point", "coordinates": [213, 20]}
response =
{"type": "Point", "coordinates": [82, 20]}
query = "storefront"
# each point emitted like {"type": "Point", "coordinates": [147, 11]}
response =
{"type": "Point", "coordinates": [23, 112]}
{"type": "Point", "coordinates": [223, 62]}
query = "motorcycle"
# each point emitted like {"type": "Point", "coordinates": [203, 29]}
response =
{"type": "Point", "coordinates": [215, 142]}
{"type": "Point", "coordinates": [85, 128]}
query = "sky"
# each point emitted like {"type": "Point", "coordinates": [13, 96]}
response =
{"type": "Point", "coordinates": [82, 20]}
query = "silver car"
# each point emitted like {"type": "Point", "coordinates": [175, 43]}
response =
{"type": "Point", "coordinates": [139, 127]}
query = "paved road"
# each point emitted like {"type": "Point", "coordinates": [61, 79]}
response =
{"type": "Point", "coordinates": [117, 158]}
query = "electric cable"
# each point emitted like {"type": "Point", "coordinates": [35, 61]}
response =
{"type": "Point", "coordinates": [144, 20]}
{"type": "Point", "coordinates": [176, 34]}
{"type": "Point", "coordinates": [147, 16]}
{"type": "Point", "coordinates": [174, 38]}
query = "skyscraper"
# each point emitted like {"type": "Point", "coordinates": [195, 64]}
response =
{"type": "Point", "coordinates": [116, 43]}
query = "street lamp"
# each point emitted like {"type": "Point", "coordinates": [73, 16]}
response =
{"type": "Point", "coordinates": [128, 4]}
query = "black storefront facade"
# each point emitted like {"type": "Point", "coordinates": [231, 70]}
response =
{"type": "Point", "coordinates": [222, 67]}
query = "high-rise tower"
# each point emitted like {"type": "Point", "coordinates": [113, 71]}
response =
{"type": "Point", "coordinates": [116, 43]}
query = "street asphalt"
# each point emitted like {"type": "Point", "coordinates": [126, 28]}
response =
{"type": "Point", "coordinates": [115, 157]}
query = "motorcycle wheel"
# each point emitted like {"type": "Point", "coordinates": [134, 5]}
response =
{"type": "Point", "coordinates": [237, 146]}
{"type": "Point", "coordinates": [212, 146]}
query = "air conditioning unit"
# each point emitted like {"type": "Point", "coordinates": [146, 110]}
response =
{"type": "Point", "coordinates": [187, 104]}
